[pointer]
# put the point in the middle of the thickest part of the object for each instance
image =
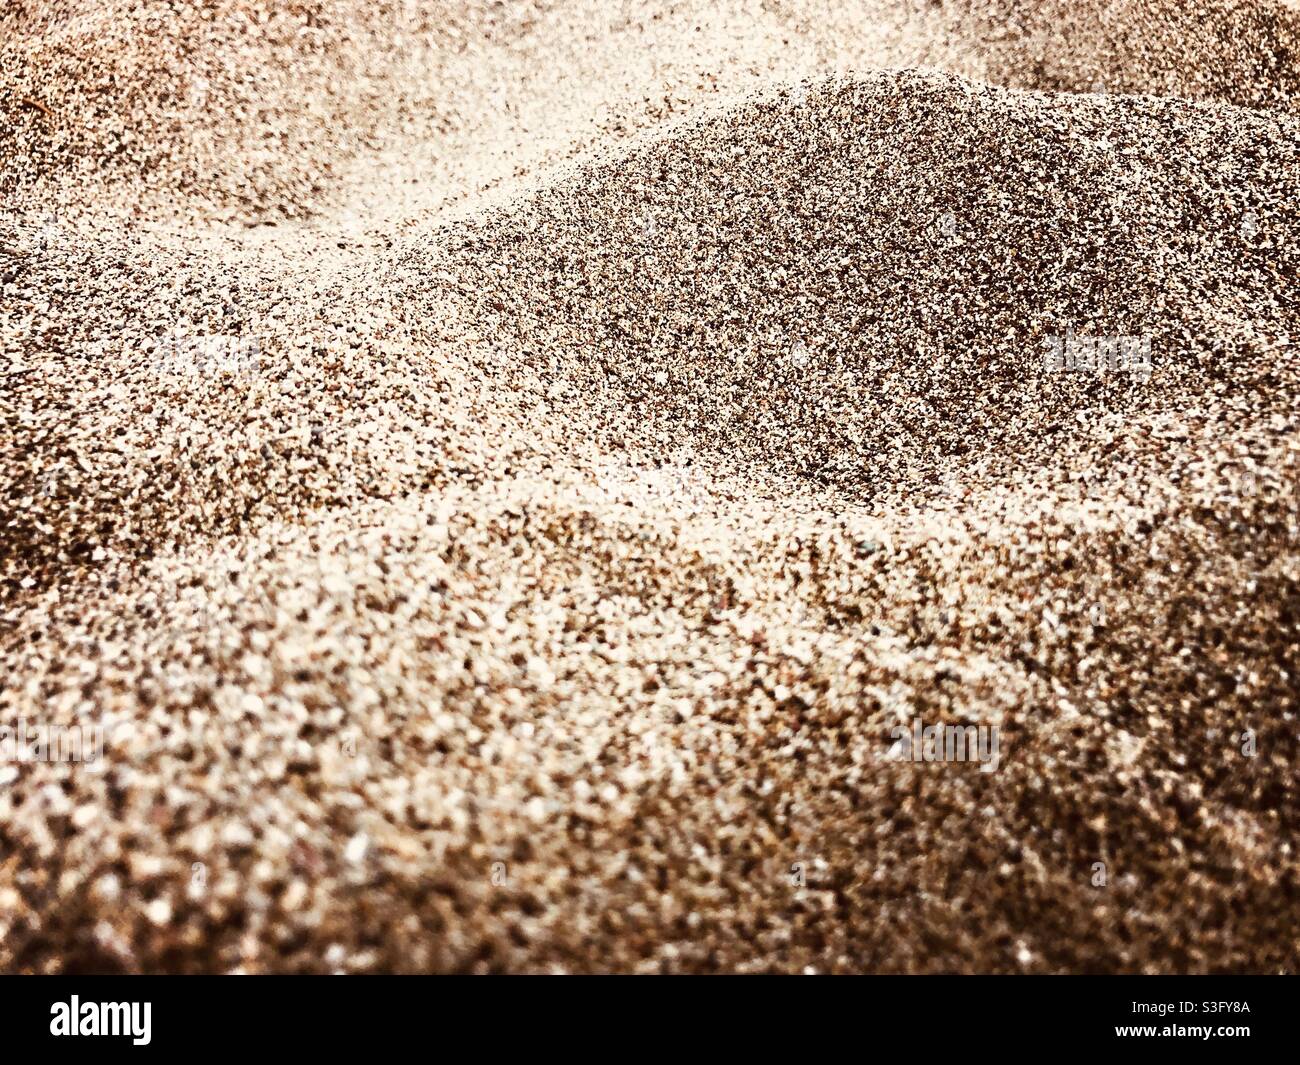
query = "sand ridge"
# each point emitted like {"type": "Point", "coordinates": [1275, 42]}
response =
{"type": "Point", "coordinates": [648, 414]}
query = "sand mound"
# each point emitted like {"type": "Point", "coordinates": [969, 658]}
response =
{"type": "Point", "coordinates": [271, 113]}
{"type": "Point", "coordinates": [902, 247]}
{"type": "Point", "coordinates": [854, 279]}
{"type": "Point", "coordinates": [621, 461]}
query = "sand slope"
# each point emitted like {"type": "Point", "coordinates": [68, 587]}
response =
{"type": "Point", "coordinates": [648, 415]}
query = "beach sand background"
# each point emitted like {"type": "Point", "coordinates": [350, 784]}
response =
{"type": "Point", "coordinates": [498, 474]}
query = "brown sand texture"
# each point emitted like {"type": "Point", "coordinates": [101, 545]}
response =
{"type": "Point", "coordinates": [494, 486]}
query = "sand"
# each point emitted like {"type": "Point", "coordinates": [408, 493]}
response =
{"type": "Point", "coordinates": [498, 480]}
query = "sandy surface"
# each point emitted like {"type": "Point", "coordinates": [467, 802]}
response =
{"type": "Point", "coordinates": [497, 475]}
